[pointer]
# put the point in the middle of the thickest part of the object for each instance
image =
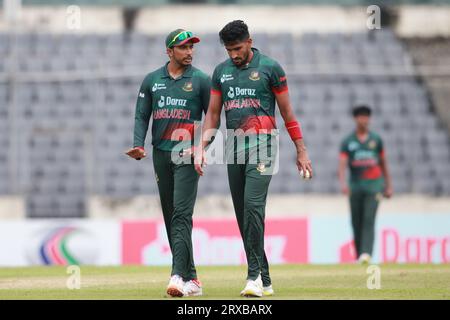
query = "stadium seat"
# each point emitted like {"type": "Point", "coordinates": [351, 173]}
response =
{"type": "Point", "coordinates": [100, 111]}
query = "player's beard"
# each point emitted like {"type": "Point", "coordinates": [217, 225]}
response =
{"type": "Point", "coordinates": [243, 61]}
{"type": "Point", "coordinates": [184, 62]}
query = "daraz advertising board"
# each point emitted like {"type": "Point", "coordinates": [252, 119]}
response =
{"type": "Point", "coordinates": [400, 238]}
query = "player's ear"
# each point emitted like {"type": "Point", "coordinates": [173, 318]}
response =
{"type": "Point", "coordinates": [169, 52]}
{"type": "Point", "coordinates": [250, 42]}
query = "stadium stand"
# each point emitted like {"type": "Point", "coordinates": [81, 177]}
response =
{"type": "Point", "coordinates": [70, 110]}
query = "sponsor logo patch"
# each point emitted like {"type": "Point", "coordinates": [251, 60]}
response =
{"type": "Point", "coordinates": [236, 92]}
{"type": "Point", "coordinates": [158, 86]}
{"type": "Point", "coordinates": [226, 77]}
{"type": "Point", "coordinates": [169, 101]}
{"type": "Point", "coordinates": [230, 93]}
{"type": "Point", "coordinates": [353, 146]}
{"type": "Point", "coordinates": [161, 102]}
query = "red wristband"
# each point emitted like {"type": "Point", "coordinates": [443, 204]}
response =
{"type": "Point", "coordinates": [142, 148]}
{"type": "Point", "coordinates": [293, 127]}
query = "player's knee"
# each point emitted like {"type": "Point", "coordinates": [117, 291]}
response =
{"type": "Point", "coordinates": [254, 206]}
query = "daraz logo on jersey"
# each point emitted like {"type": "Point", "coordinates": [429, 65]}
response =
{"type": "Point", "coordinates": [169, 101]}
{"type": "Point", "coordinates": [364, 158]}
{"type": "Point", "coordinates": [364, 154]}
{"type": "Point", "coordinates": [236, 92]}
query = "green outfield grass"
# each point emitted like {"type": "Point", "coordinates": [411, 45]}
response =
{"type": "Point", "coordinates": [289, 281]}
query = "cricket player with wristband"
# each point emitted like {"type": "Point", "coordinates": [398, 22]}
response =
{"type": "Point", "coordinates": [247, 86]}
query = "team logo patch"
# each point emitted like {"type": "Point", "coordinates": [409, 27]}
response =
{"type": "Point", "coordinates": [187, 86]}
{"type": "Point", "coordinates": [254, 76]}
{"type": "Point", "coordinates": [261, 167]}
{"type": "Point", "coordinates": [372, 144]}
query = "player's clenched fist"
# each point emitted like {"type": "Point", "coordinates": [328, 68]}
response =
{"type": "Point", "coordinates": [136, 153]}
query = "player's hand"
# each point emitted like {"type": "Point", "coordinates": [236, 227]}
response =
{"type": "Point", "coordinates": [388, 191]}
{"type": "Point", "coordinates": [303, 162]}
{"type": "Point", "coordinates": [188, 152]}
{"type": "Point", "coordinates": [199, 161]}
{"type": "Point", "coordinates": [136, 153]}
{"type": "Point", "coordinates": [345, 190]}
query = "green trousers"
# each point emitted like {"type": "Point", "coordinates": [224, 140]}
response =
{"type": "Point", "coordinates": [249, 192]}
{"type": "Point", "coordinates": [177, 185]}
{"type": "Point", "coordinates": [363, 207]}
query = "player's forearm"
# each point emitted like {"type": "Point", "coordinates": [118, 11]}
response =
{"type": "Point", "coordinates": [291, 123]}
{"type": "Point", "coordinates": [141, 121]}
{"type": "Point", "coordinates": [386, 173]}
{"type": "Point", "coordinates": [286, 109]}
{"type": "Point", "coordinates": [140, 132]}
{"type": "Point", "coordinates": [209, 128]}
{"type": "Point", "coordinates": [300, 145]}
{"type": "Point", "coordinates": [341, 173]}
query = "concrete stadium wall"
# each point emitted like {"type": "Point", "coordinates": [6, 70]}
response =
{"type": "Point", "coordinates": [413, 20]}
{"type": "Point", "coordinates": [294, 205]}
{"type": "Point", "coordinates": [12, 207]}
{"type": "Point", "coordinates": [220, 206]}
{"type": "Point", "coordinates": [424, 21]}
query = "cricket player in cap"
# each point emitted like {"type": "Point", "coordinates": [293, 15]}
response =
{"type": "Point", "coordinates": [175, 95]}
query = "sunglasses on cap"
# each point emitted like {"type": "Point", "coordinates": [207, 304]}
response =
{"type": "Point", "coordinates": [183, 35]}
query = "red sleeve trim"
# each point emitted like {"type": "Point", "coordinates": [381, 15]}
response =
{"type": "Point", "coordinates": [279, 90]}
{"type": "Point", "coordinates": [216, 92]}
{"type": "Point", "coordinates": [343, 154]}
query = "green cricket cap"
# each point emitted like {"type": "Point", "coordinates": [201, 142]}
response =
{"type": "Point", "coordinates": [179, 37]}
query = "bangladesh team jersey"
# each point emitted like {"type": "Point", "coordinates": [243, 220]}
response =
{"type": "Point", "coordinates": [248, 95]}
{"type": "Point", "coordinates": [364, 161]}
{"type": "Point", "coordinates": [175, 104]}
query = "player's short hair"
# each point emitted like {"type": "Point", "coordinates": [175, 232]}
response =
{"type": "Point", "coordinates": [234, 31]}
{"type": "Point", "coordinates": [361, 110]}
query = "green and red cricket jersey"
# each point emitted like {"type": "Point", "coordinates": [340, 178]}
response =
{"type": "Point", "coordinates": [175, 105]}
{"type": "Point", "coordinates": [364, 160]}
{"type": "Point", "coordinates": [248, 95]}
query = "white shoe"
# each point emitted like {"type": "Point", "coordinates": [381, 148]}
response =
{"type": "Point", "coordinates": [253, 288]}
{"type": "Point", "coordinates": [364, 258]}
{"type": "Point", "coordinates": [193, 288]}
{"type": "Point", "coordinates": [175, 287]}
{"type": "Point", "coordinates": [268, 291]}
